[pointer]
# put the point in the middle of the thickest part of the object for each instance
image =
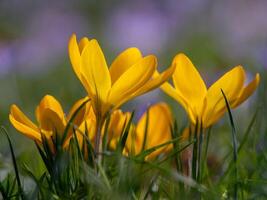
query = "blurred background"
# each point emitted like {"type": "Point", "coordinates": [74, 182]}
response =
{"type": "Point", "coordinates": [216, 35]}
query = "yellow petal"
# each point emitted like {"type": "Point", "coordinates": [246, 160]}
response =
{"type": "Point", "coordinates": [75, 57]}
{"type": "Point", "coordinates": [50, 121]}
{"type": "Point", "coordinates": [159, 129]}
{"type": "Point", "coordinates": [88, 125]}
{"type": "Point", "coordinates": [24, 124]}
{"type": "Point", "coordinates": [83, 43]}
{"type": "Point", "coordinates": [118, 121]}
{"type": "Point", "coordinates": [123, 62]}
{"type": "Point", "coordinates": [82, 113]}
{"type": "Point", "coordinates": [117, 125]}
{"type": "Point", "coordinates": [188, 81]}
{"type": "Point", "coordinates": [247, 91]}
{"type": "Point", "coordinates": [176, 95]}
{"type": "Point", "coordinates": [156, 81]}
{"type": "Point", "coordinates": [231, 83]}
{"type": "Point", "coordinates": [50, 115]}
{"type": "Point", "coordinates": [95, 71]}
{"type": "Point", "coordinates": [131, 80]}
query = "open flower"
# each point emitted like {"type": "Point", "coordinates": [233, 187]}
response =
{"type": "Point", "coordinates": [129, 76]}
{"type": "Point", "coordinates": [202, 104]}
{"type": "Point", "coordinates": [51, 121]}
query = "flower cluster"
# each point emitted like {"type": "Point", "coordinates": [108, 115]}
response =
{"type": "Point", "coordinates": [96, 119]}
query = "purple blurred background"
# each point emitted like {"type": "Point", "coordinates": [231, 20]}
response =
{"type": "Point", "coordinates": [216, 35]}
{"type": "Point", "coordinates": [34, 35]}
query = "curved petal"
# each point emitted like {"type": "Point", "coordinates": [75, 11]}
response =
{"type": "Point", "coordinates": [247, 91]}
{"type": "Point", "coordinates": [118, 121]}
{"type": "Point", "coordinates": [82, 113]}
{"type": "Point", "coordinates": [95, 71]}
{"type": "Point", "coordinates": [88, 125]}
{"type": "Point", "coordinates": [188, 81]}
{"type": "Point", "coordinates": [156, 81]}
{"type": "Point", "coordinates": [131, 80]}
{"type": "Point", "coordinates": [176, 95]}
{"type": "Point", "coordinates": [117, 124]}
{"type": "Point", "coordinates": [23, 124]}
{"type": "Point", "coordinates": [50, 115]}
{"type": "Point", "coordinates": [51, 121]}
{"type": "Point", "coordinates": [231, 83]}
{"type": "Point", "coordinates": [75, 57]}
{"type": "Point", "coordinates": [123, 62]}
{"type": "Point", "coordinates": [159, 129]}
{"type": "Point", "coordinates": [83, 43]}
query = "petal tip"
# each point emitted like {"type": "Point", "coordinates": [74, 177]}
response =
{"type": "Point", "coordinates": [257, 77]}
{"type": "Point", "coordinates": [73, 38]}
{"type": "Point", "coordinates": [153, 59]}
{"type": "Point", "coordinates": [180, 56]}
{"type": "Point", "coordinates": [13, 107]}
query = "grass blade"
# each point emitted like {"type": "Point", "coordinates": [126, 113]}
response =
{"type": "Point", "coordinates": [124, 137]}
{"type": "Point", "coordinates": [234, 139]}
{"type": "Point", "coordinates": [14, 162]}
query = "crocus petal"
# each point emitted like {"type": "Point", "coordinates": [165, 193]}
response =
{"type": "Point", "coordinates": [118, 121]}
{"type": "Point", "coordinates": [51, 121]}
{"type": "Point", "coordinates": [231, 83]}
{"type": "Point", "coordinates": [159, 129]}
{"type": "Point", "coordinates": [247, 91]}
{"type": "Point", "coordinates": [50, 115]}
{"type": "Point", "coordinates": [117, 124]}
{"type": "Point", "coordinates": [156, 81]}
{"type": "Point", "coordinates": [176, 95]}
{"type": "Point", "coordinates": [123, 62]}
{"type": "Point", "coordinates": [95, 71]}
{"type": "Point", "coordinates": [23, 124]}
{"type": "Point", "coordinates": [82, 113]}
{"type": "Point", "coordinates": [188, 81]}
{"type": "Point", "coordinates": [131, 80]}
{"type": "Point", "coordinates": [89, 126]}
{"type": "Point", "coordinates": [83, 43]}
{"type": "Point", "coordinates": [75, 57]}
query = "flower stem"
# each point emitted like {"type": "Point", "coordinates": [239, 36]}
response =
{"type": "Point", "coordinates": [98, 141]}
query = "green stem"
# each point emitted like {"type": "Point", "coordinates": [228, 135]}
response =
{"type": "Point", "coordinates": [99, 123]}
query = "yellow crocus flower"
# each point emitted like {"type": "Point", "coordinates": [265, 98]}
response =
{"type": "Point", "coordinates": [51, 120]}
{"type": "Point", "coordinates": [202, 104]}
{"type": "Point", "coordinates": [130, 75]}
